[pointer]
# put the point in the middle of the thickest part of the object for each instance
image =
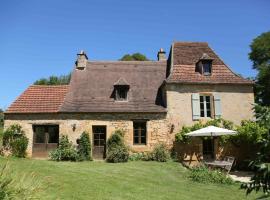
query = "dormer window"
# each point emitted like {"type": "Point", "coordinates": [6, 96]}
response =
{"type": "Point", "coordinates": [204, 65]}
{"type": "Point", "coordinates": [121, 88]}
{"type": "Point", "coordinates": [121, 93]}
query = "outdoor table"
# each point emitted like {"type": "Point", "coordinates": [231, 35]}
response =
{"type": "Point", "coordinates": [217, 163]}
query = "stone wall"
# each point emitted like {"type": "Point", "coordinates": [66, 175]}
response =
{"type": "Point", "coordinates": [158, 127]}
{"type": "Point", "coordinates": [236, 102]}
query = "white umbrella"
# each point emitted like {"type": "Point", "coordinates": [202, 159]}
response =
{"type": "Point", "coordinates": [211, 131]}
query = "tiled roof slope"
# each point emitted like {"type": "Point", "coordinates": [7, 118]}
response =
{"type": "Point", "coordinates": [187, 54]}
{"type": "Point", "coordinates": [92, 89]}
{"type": "Point", "coordinates": [39, 99]}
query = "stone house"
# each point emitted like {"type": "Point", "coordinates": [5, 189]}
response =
{"type": "Point", "coordinates": [149, 100]}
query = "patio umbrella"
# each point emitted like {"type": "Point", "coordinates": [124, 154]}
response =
{"type": "Point", "coordinates": [211, 131]}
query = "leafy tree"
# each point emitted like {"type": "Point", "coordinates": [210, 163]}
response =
{"type": "Point", "coordinates": [260, 56]}
{"type": "Point", "coordinates": [1, 118]}
{"type": "Point", "coordinates": [134, 57]}
{"type": "Point", "coordinates": [261, 165]}
{"type": "Point", "coordinates": [54, 80]}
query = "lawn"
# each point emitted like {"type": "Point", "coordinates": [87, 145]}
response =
{"type": "Point", "coordinates": [133, 180]}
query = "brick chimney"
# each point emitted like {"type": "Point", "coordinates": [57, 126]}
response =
{"type": "Point", "coordinates": [161, 55]}
{"type": "Point", "coordinates": [81, 60]}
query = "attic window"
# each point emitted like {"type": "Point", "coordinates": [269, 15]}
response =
{"type": "Point", "coordinates": [121, 88]}
{"type": "Point", "coordinates": [204, 65]}
{"type": "Point", "coordinates": [121, 93]}
{"type": "Point", "coordinates": [207, 67]}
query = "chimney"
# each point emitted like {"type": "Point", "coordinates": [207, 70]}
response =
{"type": "Point", "coordinates": [81, 60]}
{"type": "Point", "coordinates": [161, 55]}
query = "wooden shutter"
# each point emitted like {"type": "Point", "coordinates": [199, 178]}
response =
{"type": "Point", "coordinates": [196, 113]}
{"type": "Point", "coordinates": [217, 105]}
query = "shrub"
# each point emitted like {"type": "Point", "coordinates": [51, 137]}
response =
{"type": "Point", "coordinates": [204, 175]}
{"type": "Point", "coordinates": [84, 147]}
{"type": "Point", "coordinates": [160, 153]}
{"type": "Point", "coordinates": [14, 140]}
{"type": "Point", "coordinates": [118, 154]}
{"type": "Point", "coordinates": [136, 156]}
{"type": "Point", "coordinates": [116, 148]}
{"type": "Point", "coordinates": [19, 146]}
{"type": "Point", "coordinates": [182, 137]}
{"type": "Point", "coordinates": [65, 151]}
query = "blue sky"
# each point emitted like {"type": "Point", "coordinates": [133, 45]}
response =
{"type": "Point", "coordinates": [41, 38]}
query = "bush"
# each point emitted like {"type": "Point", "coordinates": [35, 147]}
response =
{"type": "Point", "coordinates": [136, 156]}
{"type": "Point", "coordinates": [182, 137]}
{"type": "Point", "coordinates": [116, 149]}
{"type": "Point", "coordinates": [118, 154]}
{"type": "Point", "coordinates": [204, 175]}
{"type": "Point", "coordinates": [65, 151]}
{"type": "Point", "coordinates": [14, 140]}
{"type": "Point", "coordinates": [84, 147]}
{"type": "Point", "coordinates": [160, 153]}
{"type": "Point", "coordinates": [19, 146]}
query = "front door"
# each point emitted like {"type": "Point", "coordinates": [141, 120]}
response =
{"type": "Point", "coordinates": [46, 139]}
{"type": "Point", "coordinates": [99, 135]}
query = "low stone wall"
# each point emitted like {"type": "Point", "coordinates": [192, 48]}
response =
{"type": "Point", "coordinates": [158, 128]}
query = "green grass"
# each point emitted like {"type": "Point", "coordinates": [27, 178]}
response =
{"type": "Point", "coordinates": [133, 180]}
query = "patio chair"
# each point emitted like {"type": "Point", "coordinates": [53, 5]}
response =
{"type": "Point", "coordinates": [231, 160]}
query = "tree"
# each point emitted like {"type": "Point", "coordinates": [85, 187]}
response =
{"type": "Point", "coordinates": [54, 80]}
{"type": "Point", "coordinates": [1, 118]}
{"type": "Point", "coordinates": [134, 57]}
{"type": "Point", "coordinates": [260, 56]}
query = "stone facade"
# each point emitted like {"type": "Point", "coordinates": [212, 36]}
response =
{"type": "Point", "coordinates": [158, 128]}
{"type": "Point", "coordinates": [236, 103]}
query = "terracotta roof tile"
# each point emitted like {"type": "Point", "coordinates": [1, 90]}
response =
{"type": "Point", "coordinates": [39, 99]}
{"type": "Point", "coordinates": [185, 57]}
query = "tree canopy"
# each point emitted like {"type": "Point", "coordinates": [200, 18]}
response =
{"type": "Point", "coordinates": [1, 118]}
{"type": "Point", "coordinates": [134, 57]}
{"type": "Point", "coordinates": [260, 56]}
{"type": "Point", "coordinates": [54, 80]}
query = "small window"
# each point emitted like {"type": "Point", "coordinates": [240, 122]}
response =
{"type": "Point", "coordinates": [207, 65]}
{"type": "Point", "coordinates": [121, 93]}
{"type": "Point", "coordinates": [205, 106]}
{"type": "Point", "coordinates": [139, 133]}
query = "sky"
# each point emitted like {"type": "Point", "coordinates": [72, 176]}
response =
{"type": "Point", "coordinates": [41, 38]}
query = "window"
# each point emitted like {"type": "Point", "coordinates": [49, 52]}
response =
{"type": "Point", "coordinates": [139, 133]}
{"type": "Point", "coordinates": [121, 93]}
{"type": "Point", "coordinates": [206, 64]}
{"type": "Point", "coordinates": [205, 106]}
{"type": "Point", "coordinates": [48, 134]}
{"type": "Point", "coordinates": [208, 148]}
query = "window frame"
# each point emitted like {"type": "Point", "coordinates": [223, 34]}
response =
{"type": "Point", "coordinates": [140, 129]}
{"type": "Point", "coordinates": [206, 62]}
{"type": "Point", "coordinates": [205, 109]}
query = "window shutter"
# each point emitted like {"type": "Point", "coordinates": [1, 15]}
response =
{"type": "Point", "coordinates": [196, 106]}
{"type": "Point", "coordinates": [217, 105]}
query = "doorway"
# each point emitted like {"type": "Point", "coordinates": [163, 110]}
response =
{"type": "Point", "coordinates": [99, 148]}
{"type": "Point", "coordinates": [46, 139]}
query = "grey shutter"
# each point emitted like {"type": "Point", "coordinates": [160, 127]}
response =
{"type": "Point", "coordinates": [196, 113]}
{"type": "Point", "coordinates": [217, 105]}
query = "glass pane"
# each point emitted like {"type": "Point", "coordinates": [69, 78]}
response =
{"type": "Point", "coordinates": [39, 134]}
{"type": "Point", "coordinates": [208, 113]}
{"type": "Point", "coordinates": [136, 140]}
{"type": "Point", "coordinates": [201, 99]}
{"type": "Point", "coordinates": [96, 142]}
{"type": "Point", "coordinates": [53, 134]}
{"type": "Point", "coordinates": [202, 113]}
{"type": "Point", "coordinates": [207, 68]}
{"type": "Point", "coordinates": [207, 98]}
{"type": "Point", "coordinates": [143, 140]}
